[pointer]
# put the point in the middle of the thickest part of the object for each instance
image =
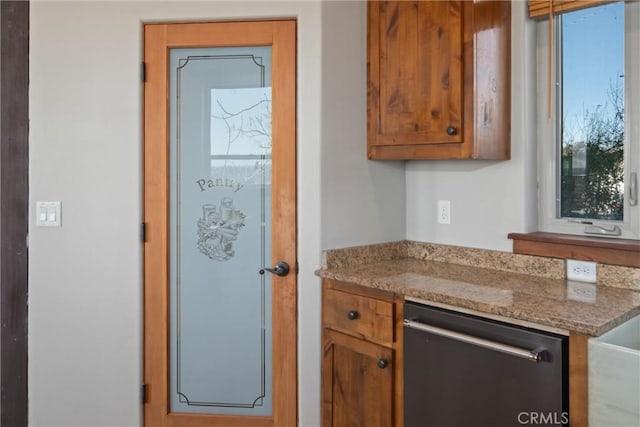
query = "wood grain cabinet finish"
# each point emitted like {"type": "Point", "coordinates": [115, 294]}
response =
{"type": "Point", "coordinates": [438, 75]}
{"type": "Point", "coordinates": [360, 316]}
{"type": "Point", "coordinates": [357, 387]}
{"type": "Point", "coordinates": [362, 356]}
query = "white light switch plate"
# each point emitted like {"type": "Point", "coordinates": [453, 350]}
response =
{"type": "Point", "coordinates": [48, 214]}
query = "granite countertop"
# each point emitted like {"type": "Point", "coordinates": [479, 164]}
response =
{"type": "Point", "coordinates": [551, 301]}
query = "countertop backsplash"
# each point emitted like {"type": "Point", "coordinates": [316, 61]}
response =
{"type": "Point", "coordinates": [554, 268]}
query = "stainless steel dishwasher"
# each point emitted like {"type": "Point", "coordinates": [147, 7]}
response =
{"type": "Point", "coordinates": [461, 370]}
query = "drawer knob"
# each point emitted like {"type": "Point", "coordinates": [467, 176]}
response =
{"type": "Point", "coordinates": [452, 130]}
{"type": "Point", "coordinates": [383, 363]}
{"type": "Point", "coordinates": [353, 315]}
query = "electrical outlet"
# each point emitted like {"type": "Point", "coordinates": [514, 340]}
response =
{"type": "Point", "coordinates": [444, 212]}
{"type": "Point", "coordinates": [582, 271]}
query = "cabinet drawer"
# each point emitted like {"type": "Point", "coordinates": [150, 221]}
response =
{"type": "Point", "coordinates": [358, 315]}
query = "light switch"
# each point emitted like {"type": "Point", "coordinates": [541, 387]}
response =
{"type": "Point", "coordinates": [48, 214]}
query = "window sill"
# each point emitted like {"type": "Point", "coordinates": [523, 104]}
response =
{"type": "Point", "coordinates": [624, 252]}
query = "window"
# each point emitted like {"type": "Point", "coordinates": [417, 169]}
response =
{"type": "Point", "coordinates": [589, 149]}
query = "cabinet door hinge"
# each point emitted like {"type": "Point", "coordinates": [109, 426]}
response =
{"type": "Point", "coordinates": [143, 393]}
{"type": "Point", "coordinates": [143, 72]}
{"type": "Point", "coordinates": [143, 232]}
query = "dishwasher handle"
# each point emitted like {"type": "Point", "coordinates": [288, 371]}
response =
{"type": "Point", "coordinates": [536, 355]}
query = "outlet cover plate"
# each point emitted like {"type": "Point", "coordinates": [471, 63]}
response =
{"type": "Point", "coordinates": [444, 212]}
{"type": "Point", "coordinates": [582, 271]}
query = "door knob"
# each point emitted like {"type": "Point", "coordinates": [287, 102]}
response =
{"type": "Point", "coordinates": [280, 269]}
{"type": "Point", "coordinates": [451, 130]}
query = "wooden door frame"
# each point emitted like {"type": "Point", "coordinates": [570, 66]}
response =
{"type": "Point", "coordinates": [159, 37]}
{"type": "Point", "coordinates": [14, 209]}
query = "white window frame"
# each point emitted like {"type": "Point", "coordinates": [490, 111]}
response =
{"type": "Point", "coordinates": [548, 130]}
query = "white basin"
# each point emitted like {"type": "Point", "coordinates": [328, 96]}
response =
{"type": "Point", "coordinates": [614, 377]}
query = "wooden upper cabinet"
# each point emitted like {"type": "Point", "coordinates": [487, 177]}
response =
{"type": "Point", "coordinates": [438, 79]}
{"type": "Point", "coordinates": [419, 98]}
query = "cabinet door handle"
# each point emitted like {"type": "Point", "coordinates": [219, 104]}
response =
{"type": "Point", "coordinates": [383, 363]}
{"type": "Point", "coordinates": [353, 315]}
{"type": "Point", "coordinates": [452, 130]}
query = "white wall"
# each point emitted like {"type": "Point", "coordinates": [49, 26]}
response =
{"type": "Point", "coordinates": [85, 101]}
{"type": "Point", "coordinates": [488, 199]}
{"type": "Point", "coordinates": [85, 278]}
{"type": "Point", "coordinates": [363, 201]}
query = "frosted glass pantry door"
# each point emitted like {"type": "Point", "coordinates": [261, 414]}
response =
{"type": "Point", "coordinates": [220, 308]}
{"type": "Point", "coordinates": [220, 230]}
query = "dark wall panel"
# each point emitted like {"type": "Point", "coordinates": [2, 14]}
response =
{"type": "Point", "coordinates": [14, 202]}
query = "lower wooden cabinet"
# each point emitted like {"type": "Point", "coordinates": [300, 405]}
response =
{"type": "Point", "coordinates": [357, 382]}
{"type": "Point", "coordinates": [362, 356]}
{"type": "Point", "coordinates": [362, 361]}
